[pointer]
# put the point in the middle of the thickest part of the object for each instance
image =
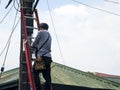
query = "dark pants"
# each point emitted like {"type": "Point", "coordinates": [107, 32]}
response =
{"type": "Point", "coordinates": [46, 74]}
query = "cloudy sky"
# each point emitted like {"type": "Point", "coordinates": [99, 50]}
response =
{"type": "Point", "coordinates": [89, 39]}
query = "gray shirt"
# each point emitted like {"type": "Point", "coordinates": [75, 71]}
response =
{"type": "Point", "coordinates": [44, 48]}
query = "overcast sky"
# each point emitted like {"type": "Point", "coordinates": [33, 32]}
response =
{"type": "Point", "coordinates": [89, 39]}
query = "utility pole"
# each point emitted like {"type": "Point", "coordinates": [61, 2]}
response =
{"type": "Point", "coordinates": [23, 71]}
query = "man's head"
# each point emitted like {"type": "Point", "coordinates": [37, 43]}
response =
{"type": "Point", "coordinates": [44, 26]}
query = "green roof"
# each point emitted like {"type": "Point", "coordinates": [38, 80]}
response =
{"type": "Point", "coordinates": [62, 74]}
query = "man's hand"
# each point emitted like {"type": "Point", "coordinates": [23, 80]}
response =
{"type": "Point", "coordinates": [39, 59]}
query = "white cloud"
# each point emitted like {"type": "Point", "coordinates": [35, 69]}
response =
{"type": "Point", "coordinates": [71, 11]}
{"type": "Point", "coordinates": [90, 41]}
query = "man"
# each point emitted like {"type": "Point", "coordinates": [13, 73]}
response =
{"type": "Point", "coordinates": [43, 45]}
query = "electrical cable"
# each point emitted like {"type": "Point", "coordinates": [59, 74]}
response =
{"type": "Point", "coordinates": [112, 1]}
{"type": "Point", "coordinates": [4, 48]}
{"type": "Point", "coordinates": [8, 43]}
{"type": "Point", "coordinates": [6, 15]}
{"type": "Point", "coordinates": [8, 4]}
{"type": "Point", "coordinates": [0, 23]}
{"type": "Point", "coordinates": [6, 53]}
{"type": "Point", "coordinates": [2, 68]}
{"type": "Point", "coordinates": [21, 2]}
{"type": "Point", "coordinates": [96, 8]}
{"type": "Point", "coordinates": [55, 31]}
{"type": "Point", "coordinates": [17, 3]}
{"type": "Point", "coordinates": [15, 6]}
{"type": "Point", "coordinates": [9, 36]}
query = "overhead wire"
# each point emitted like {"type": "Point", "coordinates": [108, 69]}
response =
{"type": "Point", "coordinates": [115, 2]}
{"type": "Point", "coordinates": [6, 14]}
{"type": "Point", "coordinates": [55, 32]}
{"type": "Point", "coordinates": [14, 2]}
{"type": "Point", "coordinates": [96, 8]}
{"type": "Point", "coordinates": [6, 53]}
{"type": "Point", "coordinates": [18, 3]}
{"type": "Point", "coordinates": [4, 48]}
{"type": "Point", "coordinates": [2, 68]}
{"type": "Point", "coordinates": [11, 32]}
{"type": "Point", "coordinates": [8, 43]}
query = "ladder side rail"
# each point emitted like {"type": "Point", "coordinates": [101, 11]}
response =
{"type": "Point", "coordinates": [27, 53]}
{"type": "Point", "coordinates": [37, 19]}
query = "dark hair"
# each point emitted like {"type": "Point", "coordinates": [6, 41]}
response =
{"type": "Point", "coordinates": [44, 26]}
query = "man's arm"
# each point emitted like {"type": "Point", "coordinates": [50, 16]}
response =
{"type": "Point", "coordinates": [36, 41]}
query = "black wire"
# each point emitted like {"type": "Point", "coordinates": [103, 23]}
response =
{"type": "Point", "coordinates": [6, 15]}
{"type": "Point", "coordinates": [96, 8]}
{"type": "Point", "coordinates": [2, 69]}
{"type": "Point", "coordinates": [55, 32]}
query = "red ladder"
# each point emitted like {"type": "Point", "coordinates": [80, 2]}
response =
{"type": "Point", "coordinates": [26, 45]}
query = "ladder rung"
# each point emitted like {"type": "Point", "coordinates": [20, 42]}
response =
{"type": "Point", "coordinates": [29, 17]}
{"type": "Point", "coordinates": [26, 7]}
{"type": "Point", "coordinates": [27, 14]}
{"type": "Point", "coordinates": [23, 62]}
{"type": "Point", "coordinates": [24, 72]}
{"type": "Point", "coordinates": [31, 27]}
{"type": "Point", "coordinates": [25, 82]}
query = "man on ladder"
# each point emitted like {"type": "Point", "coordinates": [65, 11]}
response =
{"type": "Point", "coordinates": [42, 44]}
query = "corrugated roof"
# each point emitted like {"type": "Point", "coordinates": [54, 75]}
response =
{"type": "Point", "coordinates": [9, 76]}
{"type": "Point", "coordinates": [65, 75]}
